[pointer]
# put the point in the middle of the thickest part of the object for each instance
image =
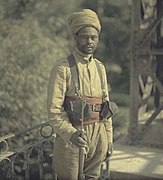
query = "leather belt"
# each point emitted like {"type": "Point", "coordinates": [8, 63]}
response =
{"type": "Point", "coordinates": [95, 106]}
{"type": "Point", "coordinates": [95, 117]}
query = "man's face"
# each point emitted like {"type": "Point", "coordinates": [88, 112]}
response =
{"type": "Point", "coordinates": [87, 39]}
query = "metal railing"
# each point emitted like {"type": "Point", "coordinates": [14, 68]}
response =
{"type": "Point", "coordinates": [30, 161]}
{"type": "Point", "coordinates": [34, 159]}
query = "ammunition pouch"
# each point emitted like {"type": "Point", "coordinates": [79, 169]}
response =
{"type": "Point", "coordinates": [91, 109]}
{"type": "Point", "coordinates": [74, 109]}
{"type": "Point", "coordinates": [108, 109]}
{"type": "Point", "coordinates": [91, 112]}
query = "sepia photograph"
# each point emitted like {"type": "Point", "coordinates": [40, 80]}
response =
{"type": "Point", "coordinates": [81, 89]}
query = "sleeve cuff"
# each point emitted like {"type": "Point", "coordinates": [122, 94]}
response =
{"type": "Point", "coordinates": [66, 133]}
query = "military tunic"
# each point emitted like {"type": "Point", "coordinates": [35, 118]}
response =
{"type": "Point", "coordinates": [98, 135]}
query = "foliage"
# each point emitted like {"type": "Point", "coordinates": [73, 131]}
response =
{"type": "Point", "coordinates": [27, 56]}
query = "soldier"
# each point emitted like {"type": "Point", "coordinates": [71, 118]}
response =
{"type": "Point", "coordinates": [80, 77]}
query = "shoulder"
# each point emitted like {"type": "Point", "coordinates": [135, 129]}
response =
{"type": "Point", "coordinates": [60, 67]}
{"type": "Point", "coordinates": [62, 62]}
{"type": "Point", "coordinates": [99, 63]}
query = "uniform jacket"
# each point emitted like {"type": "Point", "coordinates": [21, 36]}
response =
{"type": "Point", "coordinates": [61, 85]}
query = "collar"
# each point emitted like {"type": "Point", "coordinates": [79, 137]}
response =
{"type": "Point", "coordinates": [80, 55]}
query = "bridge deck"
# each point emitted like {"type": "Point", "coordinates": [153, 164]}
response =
{"type": "Point", "coordinates": [130, 162]}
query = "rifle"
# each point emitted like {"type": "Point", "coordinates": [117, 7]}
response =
{"type": "Point", "coordinates": [82, 152]}
{"type": "Point", "coordinates": [81, 157]}
{"type": "Point", "coordinates": [75, 78]}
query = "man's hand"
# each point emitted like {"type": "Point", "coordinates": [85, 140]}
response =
{"type": "Point", "coordinates": [77, 140]}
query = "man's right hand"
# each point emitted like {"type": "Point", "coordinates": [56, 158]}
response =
{"type": "Point", "coordinates": [77, 140]}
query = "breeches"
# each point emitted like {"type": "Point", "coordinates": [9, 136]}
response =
{"type": "Point", "coordinates": [66, 156]}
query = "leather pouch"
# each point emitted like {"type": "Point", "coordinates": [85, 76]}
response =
{"type": "Point", "coordinates": [106, 111]}
{"type": "Point", "coordinates": [74, 109]}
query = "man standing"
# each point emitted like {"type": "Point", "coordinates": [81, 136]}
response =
{"type": "Point", "coordinates": [74, 79]}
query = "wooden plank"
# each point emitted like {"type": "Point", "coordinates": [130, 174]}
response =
{"type": "Point", "coordinates": [146, 95]}
{"type": "Point", "coordinates": [151, 52]}
{"type": "Point", "coordinates": [153, 26]}
{"type": "Point", "coordinates": [134, 84]}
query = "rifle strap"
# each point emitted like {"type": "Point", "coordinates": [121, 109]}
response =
{"type": "Point", "coordinates": [74, 72]}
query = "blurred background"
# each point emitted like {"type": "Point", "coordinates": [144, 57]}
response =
{"type": "Point", "coordinates": [34, 34]}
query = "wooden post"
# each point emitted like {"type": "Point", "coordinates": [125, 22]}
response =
{"type": "Point", "coordinates": [134, 84]}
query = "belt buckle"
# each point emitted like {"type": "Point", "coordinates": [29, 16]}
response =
{"type": "Point", "coordinates": [95, 107]}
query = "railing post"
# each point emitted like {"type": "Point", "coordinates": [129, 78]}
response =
{"type": "Point", "coordinates": [40, 161]}
{"type": "Point", "coordinates": [26, 165]}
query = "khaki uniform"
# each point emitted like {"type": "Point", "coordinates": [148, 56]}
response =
{"type": "Point", "coordinates": [98, 135]}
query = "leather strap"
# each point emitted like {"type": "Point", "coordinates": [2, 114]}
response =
{"type": "Point", "coordinates": [74, 71]}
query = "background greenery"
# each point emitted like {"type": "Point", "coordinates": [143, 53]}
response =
{"type": "Point", "coordinates": [34, 35]}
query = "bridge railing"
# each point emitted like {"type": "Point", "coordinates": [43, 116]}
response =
{"type": "Point", "coordinates": [30, 161]}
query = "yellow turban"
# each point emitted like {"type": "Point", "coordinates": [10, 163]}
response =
{"type": "Point", "coordinates": [84, 18]}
